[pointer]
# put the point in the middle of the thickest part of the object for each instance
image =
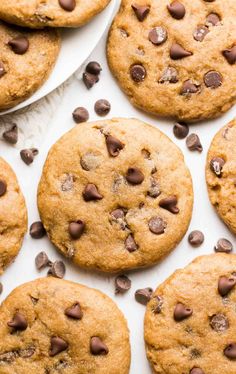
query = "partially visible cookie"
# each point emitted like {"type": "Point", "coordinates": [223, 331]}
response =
{"type": "Point", "coordinates": [13, 216]}
{"type": "Point", "coordinates": [190, 321]}
{"type": "Point", "coordinates": [176, 58]}
{"type": "Point", "coordinates": [55, 326]}
{"type": "Point", "coordinates": [56, 13]}
{"type": "Point", "coordinates": [221, 174]}
{"type": "Point", "coordinates": [26, 60]}
{"type": "Point", "coordinates": [115, 194]}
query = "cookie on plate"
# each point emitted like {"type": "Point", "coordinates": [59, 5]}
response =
{"type": "Point", "coordinates": [13, 215]}
{"type": "Point", "coordinates": [176, 58]}
{"type": "Point", "coordinates": [27, 58]}
{"type": "Point", "coordinates": [190, 321]}
{"type": "Point", "coordinates": [221, 174]}
{"type": "Point", "coordinates": [55, 13]}
{"type": "Point", "coordinates": [55, 326]}
{"type": "Point", "coordinates": [115, 194]}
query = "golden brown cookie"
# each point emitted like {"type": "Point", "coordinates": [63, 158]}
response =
{"type": "Point", "coordinates": [55, 13]}
{"type": "Point", "coordinates": [115, 194]}
{"type": "Point", "coordinates": [176, 58]}
{"type": "Point", "coordinates": [221, 174]}
{"type": "Point", "coordinates": [190, 321]}
{"type": "Point", "coordinates": [13, 216]}
{"type": "Point", "coordinates": [27, 58]}
{"type": "Point", "coordinates": [55, 326]}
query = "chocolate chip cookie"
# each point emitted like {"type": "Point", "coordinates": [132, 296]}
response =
{"type": "Point", "coordinates": [13, 216]}
{"type": "Point", "coordinates": [55, 326]}
{"type": "Point", "coordinates": [190, 321]}
{"type": "Point", "coordinates": [27, 58]}
{"type": "Point", "coordinates": [176, 58]}
{"type": "Point", "coordinates": [55, 13]}
{"type": "Point", "coordinates": [115, 195]}
{"type": "Point", "coordinates": [221, 174]}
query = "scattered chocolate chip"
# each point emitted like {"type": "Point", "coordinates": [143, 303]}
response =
{"type": "Point", "coordinates": [230, 351]}
{"type": "Point", "coordinates": [189, 88]}
{"type": "Point", "coordinates": [138, 73]}
{"type": "Point", "coordinates": [2, 70]}
{"type": "Point", "coordinates": [74, 311]}
{"type": "Point", "coordinates": [37, 231]}
{"type": "Point", "coordinates": [193, 143]}
{"type": "Point", "coordinates": [176, 10]}
{"type": "Point", "coordinates": [180, 130]}
{"type": "Point", "coordinates": [114, 145]}
{"type": "Point", "coordinates": [57, 269]}
{"type": "Point", "coordinates": [130, 244]}
{"type": "Point", "coordinates": [177, 52]}
{"type": "Point", "coordinates": [19, 45]}
{"type": "Point", "coordinates": [102, 107]}
{"type": "Point", "coordinates": [154, 190]}
{"type": "Point", "coordinates": [216, 165]}
{"type": "Point", "coordinates": [225, 285]}
{"type": "Point", "coordinates": [134, 176]}
{"type": "Point", "coordinates": [58, 345]}
{"type": "Point", "coordinates": [158, 35]}
{"type": "Point", "coordinates": [93, 67]}
{"type": "Point", "coordinates": [80, 115]}
{"type": "Point", "coordinates": [3, 188]}
{"type": "Point", "coordinates": [19, 322]}
{"type": "Point", "coordinates": [76, 229]}
{"type": "Point", "coordinates": [157, 225]}
{"type": "Point", "coordinates": [28, 155]}
{"type": "Point", "coordinates": [90, 79]}
{"type": "Point", "coordinates": [182, 312]}
{"type": "Point", "coordinates": [11, 136]}
{"type": "Point", "coordinates": [169, 75]}
{"type": "Point", "coordinates": [42, 261]}
{"type": "Point", "coordinates": [230, 55]}
{"type": "Point", "coordinates": [144, 295]}
{"type": "Point", "coordinates": [122, 284]}
{"type": "Point", "coordinates": [158, 304]}
{"type": "Point", "coordinates": [169, 203]}
{"type": "Point", "coordinates": [200, 33]}
{"type": "Point", "coordinates": [213, 19]}
{"type": "Point", "coordinates": [219, 322]}
{"type": "Point", "coordinates": [91, 193]}
{"type": "Point", "coordinates": [196, 238]}
{"type": "Point", "coordinates": [90, 161]}
{"type": "Point", "coordinates": [140, 11]}
{"type": "Point", "coordinates": [98, 347]}
{"type": "Point", "coordinates": [224, 245]}
{"type": "Point", "coordinates": [213, 79]}
{"type": "Point", "coordinates": [196, 371]}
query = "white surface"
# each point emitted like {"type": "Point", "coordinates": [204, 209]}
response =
{"type": "Point", "coordinates": [77, 44]}
{"type": "Point", "coordinates": [204, 217]}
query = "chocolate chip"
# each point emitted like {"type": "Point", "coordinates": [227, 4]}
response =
{"type": "Point", "coordinates": [122, 284]}
{"type": "Point", "coordinates": [158, 304]}
{"type": "Point", "coordinates": [196, 371]}
{"type": "Point", "coordinates": [157, 35]}
{"type": "Point", "coordinates": [3, 188]}
{"type": "Point", "coordinates": [138, 73]}
{"type": "Point", "coordinates": [200, 33]}
{"type": "Point", "coordinates": [169, 75]}
{"type": "Point", "coordinates": [26, 353]}
{"type": "Point", "coordinates": [154, 190]}
{"type": "Point", "coordinates": [57, 269]}
{"type": "Point", "coordinates": [90, 161]}
{"type": "Point", "coordinates": [219, 322]}
{"type": "Point", "coordinates": [134, 176]}
{"type": "Point", "coordinates": [225, 285]}
{"type": "Point", "coordinates": [114, 145]}
{"type": "Point", "coordinates": [90, 79]}
{"type": "Point", "coordinates": [91, 193]}
{"type": "Point", "coordinates": [176, 10]}
{"type": "Point", "coordinates": [180, 130]}
{"type": "Point", "coordinates": [28, 155]}
{"type": "Point", "coordinates": [74, 311]}
{"type": "Point", "coordinates": [102, 107]}
{"type": "Point", "coordinates": [169, 203]}
{"type": "Point", "coordinates": [177, 52]}
{"type": "Point", "coordinates": [19, 322]}
{"type": "Point", "coordinates": [93, 67]}
{"type": "Point", "coordinates": [224, 245]}
{"type": "Point", "coordinates": [58, 345]}
{"type": "Point", "coordinates": [196, 238]}
{"type": "Point", "coordinates": [8, 357]}
{"type": "Point", "coordinates": [230, 351]}
{"type": "Point", "coordinates": [140, 11]}
{"type": "Point", "coordinates": [2, 70]}
{"type": "Point", "coordinates": [182, 312]}
{"type": "Point", "coordinates": [67, 183]}
{"type": "Point", "coordinates": [118, 214]}
{"type": "Point", "coordinates": [213, 19]}
{"type": "Point", "coordinates": [19, 45]}
{"type": "Point", "coordinates": [76, 229]}
{"type": "Point", "coordinates": [42, 261]}
{"type": "Point", "coordinates": [213, 79]}
{"type": "Point", "coordinates": [80, 115]}
{"type": "Point", "coordinates": [11, 135]}
{"type": "Point", "coordinates": [98, 347]}
{"type": "Point", "coordinates": [144, 295]}
{"type": "Point", "coordinates": [68, 5]}
{"type": "Point", "coordinates": [37, 231]}
{"type": "Point", "coordinates": [130, 244]}
{"type": "Point", "coordinates": [230, 55]}
{"type": "Point", "coordinates": [193, 143]}
{"type": "Point", "coordinates": [1, 288]}
{"type": "Point", "coordinates": [157, 225]}
{"type": "Point", "coordinates": [189, 88]}
{"type": "Point", "coordinates": [216, 165]}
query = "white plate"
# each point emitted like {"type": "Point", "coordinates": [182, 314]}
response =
{"type": "Point", "coordinates": [77, 45]}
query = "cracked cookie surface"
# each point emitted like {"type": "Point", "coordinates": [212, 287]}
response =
{"type": "Point", "coordinates": [176, 58]}
{"type": "Point", "coordinates": [115, 194]}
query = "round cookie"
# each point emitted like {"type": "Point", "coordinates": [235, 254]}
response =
{"type": "Point", "coordinates": [190, 321]}
{"type": "Point", "coordinates": [27, 58]}
{"type": "Point", "coordinates": [13, 215]}
{"type": "Point", "coordinates": [176, 58]}
{"type": "Point", "coordinates": [221, 174]}
{"type": "Point", "coordinates": [115, 195]}
{"type": "Point", "coordinates": [55, 13]}
{"type": "Point", "coordinates": [87, 334]}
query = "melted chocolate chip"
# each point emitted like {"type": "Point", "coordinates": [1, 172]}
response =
{"type": "Point", "coordinates": [37, 231]}
{"type": "Point", "coordinates": [219, 323]}
{"type": "Point", "coordinates": [158, 35]}
{"type": "Point", "coordinates": [169, 75]}
{"type": "Point", "coordinates": [157, 225]}
{"type": "Point", "coordinates": [213, 19]}
{"type": "Point", "coordinates": [122, 284]}
{"type": "Point", "coordinates": [98, 347]}
{"type": "Point", "coordinates": [141, 12]}
{"type": "Point", "coordinates": [216, 165]}
{"type": "Point", "coordinates": [114, 145]}
{"type": "Point", "coordinates": [76, 229]}
{"type": "Point", "coordinates": [182, 312]}
{"type": "Point", "coordinates": [138, 73]}
{"type": "Point", "coordinates": [130, 244]}
{"type": "Point", "coordinates": [58, 345]}
{"type": "Point", "coordinates": [224, 246]}
{"type": "Point", "coordinates": [213, 79]}
{"type": "Point", "coordinates": [189, 88]}
{"type": "Point", "coordinates": [19, 322]}
{"type": "Point", "coordinates": [144, 295]}
{"type": "Point", "coordinates": [134, 176]}
{"type": "Point", "coordinates": [169, 203]}
{"type": "Point", "coordinates": [225, 285]}
{"type": "Point", "coordinates": [74, 311]}
{"type": "Point", "coordinates": [154, 189]}
{"type": "Point", "coordinates": [177, 52]}
{"type": "Point", "coordinates": [19, 45]}
{"type": "Point", "coordinates": [158, 304]}
{"type": "Point", "coordinates": [200, 33]}
{"type": "Point", "coordinates": [176, 10]}
{"type": "Point", "coordinates": [230, 55]}
{"type": "Point", "coordinates": [91, 193]}
{"type": "Point", "coordinates": [3, 188]}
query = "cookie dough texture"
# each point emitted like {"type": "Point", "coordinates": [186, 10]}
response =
{"type": "Point", "coordinates": [129, 44]}
{"type": "Point", "coordinates": [222, 184]}
{"type": "Point", "coordinates": [29, 350]}
{"type": "Point", "coordinates": [25, 73]}
{"type": "Point", "coordinates": [200, 340]}
{"type": "Point", "coordinates": [13, 216]}
{"type": "Point", "coordinates": [118, 226]}
{"type": "Point", "coordinates": [41, 13]}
